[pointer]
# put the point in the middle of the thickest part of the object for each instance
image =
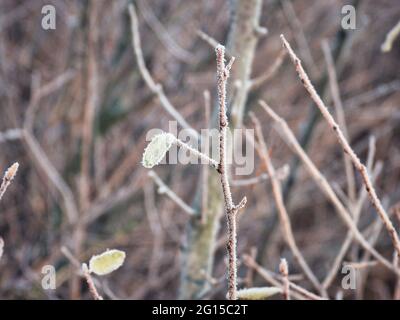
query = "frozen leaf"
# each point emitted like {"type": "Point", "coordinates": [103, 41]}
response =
{"type": "Point", "coordinates": [156, 149]}
{"type": "Point", "coordinates": [106, 262]}
{"type": "Point", "coordinates": [261, 293]}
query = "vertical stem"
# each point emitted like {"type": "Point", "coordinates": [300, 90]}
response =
{"type": "Point", "coordinates": [230, 209]}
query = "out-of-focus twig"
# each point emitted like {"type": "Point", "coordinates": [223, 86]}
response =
{"type": "Point", "coordinates": [162, 33]}
{"type": "Point", "coordinates": [298, 291]}
{"type": "Point", "coordinates": [356, 210]}
{"type": "Point", "coordinates": [42, 162]}
{"type": "Point", "coordinates": [337, 101]}
{"type": "Point", "coordinates": [205, 169]}
{"type": "Point", "coordinates": [283, 215]}
{"type": "Point", "coordinates": [153, 86]}
{"type": "Point", "coordinates": [280, 173]}
{"type": "Point", "coordinates": [269, 73]}
{"type": "Point", "coordinates": [1, 247]}
{"type": "Point", "coordinates": [211, 41]}
{"type": "Point", "coordinates": [390, 37]}
{"type": "Point", "coordinates": [8, 177]}
{"type": "Point", "coordinates": [299, 35]}
{"type": "Point", "coordinates": [164, 189]}
{"type": "Point", "coordinates": [284, 270]}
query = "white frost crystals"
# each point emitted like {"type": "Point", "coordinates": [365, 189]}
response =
{"type": "Point", "coordinates": [157, 149]}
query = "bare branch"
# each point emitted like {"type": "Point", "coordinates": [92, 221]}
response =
{"type": "Point", "coordinates": [153, 86]}
{"type": "Point", "coordinates": [345, 145]}
{"type": "Point", "coordinates": [42, 162]}
{"type": "Point", "coordinates": [290, 139]}
{"type": "Point", "coordinates": [269, 73]}
{"type": "Point", "coordinates": [337, 102]}
{"type": "Point", "coordinates": [200, 155]}
{"type": "Point", "coordinates": [231, 209]}
{"type": "Point", "coordinates": [162, 33]}
{"type": "Point", "coordinates": [281, 174]}
{"type": "Point", "coordinates": [164, 189]}
{"type": "Point", "coordinates": [283, 214]}
{"type": "Point", "coordinates": [205, 169]}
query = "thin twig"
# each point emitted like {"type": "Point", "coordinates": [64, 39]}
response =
{"type": "Point", "coordinates": [89, 280]}
{"type": "Point", "coordinates": [42, 162]}
{"type": "Point", "coordinates": [162, 33]}
{"type": "Point", "coordinates": [283, 214]}
{"type": "Point", "coordinates": [284, 270]}
{"type": "Point", "coordinates": [211, 41]}
{"type": "Point", "coordinates": [156, 230]}
{"type": "Point", "coordinates": [156, 88]}
{"type": "Point", "coordinates": [8, 177]}
{"type": "Point", "coordinates": [288, 136]}
{"type": "Point", "coordinates": [205, 159]}
{"type": "Point", "coordinates": [39, 92]}
{"type": "Point", "coordinates": [298, 291]}
{"type": "Point", "coordinates": [280, 173]}
{"type": "Point", "coordinates": [1, 247]}
{"type": "Point", "coordinates": [390, 37]}
{"type": "Point", "coordinates": [90, 107]}
{"type": "Point", "coordinates": [337, 102]}
{"type": "Point", "coordinates": [299, 35]}
{"type": "Point", "coordinates": [356, 215]}
{"type": "Point", "coordinates": [205, 169]}
{"type": "Point", "coordinates": [269, 73]}
{"type": "Point", "coordinates": [164, 189]}
{"type": "Point", "coordinates": [231, 209]}
{"type": "Point", "coordinates": [345, 145]}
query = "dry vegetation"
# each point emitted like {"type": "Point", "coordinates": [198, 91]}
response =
{"type": "Point", "coordinates": [77, 102]}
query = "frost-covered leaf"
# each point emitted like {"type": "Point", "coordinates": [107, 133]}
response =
{"type": "Point", "coordinates": [156, 149]}
{"type": "Point", "coordinates": [261, 293]}
{"type": "Point", "coordinates": [106, 262]}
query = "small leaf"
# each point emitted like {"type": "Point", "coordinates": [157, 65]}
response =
{"type": "Point", "coordinates": [157, 148]}
{"type": "Point", "coordinates": [261, 293]}
{"type": "Point", "coordinates": [106, 262]}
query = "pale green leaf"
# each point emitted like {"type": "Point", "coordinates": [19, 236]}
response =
{"type": "Point", "coordinates": [106, 262]}
{"type": "Point", "coordinates": [156, 149]}
{"type": "Point", "coordinates": [261, 293]}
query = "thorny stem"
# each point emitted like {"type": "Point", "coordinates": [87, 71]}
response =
{"type": "Point", "coordinates": [231, 210]}
{"type": "Point", "coordinates": [345, 145]}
